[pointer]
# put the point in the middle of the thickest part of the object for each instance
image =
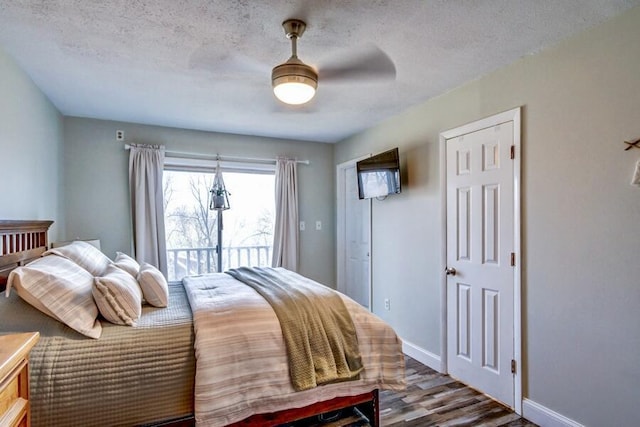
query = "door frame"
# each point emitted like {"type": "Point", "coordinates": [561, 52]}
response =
{"type": "Point", "coordinates": [513, 115]}
{"type": "Point", "coordinates": [340, 228]}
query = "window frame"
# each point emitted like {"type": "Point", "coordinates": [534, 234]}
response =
{"type": "Point", "coordinates": [207, 164]}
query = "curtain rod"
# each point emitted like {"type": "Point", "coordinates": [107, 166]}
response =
{"type": "Point", "coordinates": [221, 158]}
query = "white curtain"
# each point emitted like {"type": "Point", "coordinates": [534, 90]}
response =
{"type": "Point", "coordinates": [146, 164]}
{"type": "Point", "coordinates": [285, 235]}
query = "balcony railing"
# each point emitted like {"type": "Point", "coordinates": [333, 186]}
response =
{"type": "Point", "coordinates": [193, 261]}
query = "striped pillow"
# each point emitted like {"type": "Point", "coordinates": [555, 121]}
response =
{"type": "Point", "coordinates": [118, 296]}
{"type": "Point", "coordinates": [154, 286]}
{"type": "Point", "coordinates": [85, 255]}
{"type": "Point", "coordinates": [127, 263]}
{"type": "Point", "coordinates": [61, 289]}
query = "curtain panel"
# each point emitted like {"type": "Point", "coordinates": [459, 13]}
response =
{"type": "Point", "coordinates": [285, 233]}
{"type": "Point", "coordinates": [146, 163]}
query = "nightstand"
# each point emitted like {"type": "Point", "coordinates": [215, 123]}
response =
{"type": "Point", "coordinates": [14, 378]}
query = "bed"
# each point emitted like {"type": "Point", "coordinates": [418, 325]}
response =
{"type": "Point", "coordinates": [149, 374]}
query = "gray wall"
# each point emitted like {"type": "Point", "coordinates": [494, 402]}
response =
{"type": "Point", "coordinates": [97, 192]}
{"type": "Point", "coordinates": [581, 239]}
{"type": "Point", "coordinates": [31, 143]}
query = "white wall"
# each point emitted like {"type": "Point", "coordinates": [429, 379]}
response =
{"type": "Point", "coordinates": [581, 218]}
{"type": "Point", "coordinates": [30, 150]}
{"type": "Point", "coordinates": [97, 192]}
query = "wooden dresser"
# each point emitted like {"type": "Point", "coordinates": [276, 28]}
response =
{"type": "Point", "coordinates": [14, 378]}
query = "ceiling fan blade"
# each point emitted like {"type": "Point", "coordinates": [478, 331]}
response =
{"type": "Point", "coordinates": [366, 64]}
{"type": "Point", "coordinates": [208, 57]}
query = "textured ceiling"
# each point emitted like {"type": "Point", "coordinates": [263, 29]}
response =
{"type": "Point", "coordinates": [207, 64]}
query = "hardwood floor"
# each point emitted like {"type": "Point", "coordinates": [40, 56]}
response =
{"type": "Point", "coordinates": [433, 399]}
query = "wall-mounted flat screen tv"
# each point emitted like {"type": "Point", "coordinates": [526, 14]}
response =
{"type": "Point", "coordinates": [379, 175]}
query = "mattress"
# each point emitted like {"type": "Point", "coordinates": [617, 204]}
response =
{"type": "Point", "coordinates": [129, 376]}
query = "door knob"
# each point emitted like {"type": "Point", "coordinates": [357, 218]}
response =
{"type": "Point", "coordinates": [450, 271]}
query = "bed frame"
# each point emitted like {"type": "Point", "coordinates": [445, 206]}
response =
{"type": "Point", "coordinates": [20, 242]}
{"type": "Point", "coordinates": [23, 241]}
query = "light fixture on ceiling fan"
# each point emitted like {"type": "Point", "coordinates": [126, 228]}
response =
{"type": "Point", "coordinates": [294, 82]}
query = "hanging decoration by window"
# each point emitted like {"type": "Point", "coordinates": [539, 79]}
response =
{"type": "Point", "coordinates": [219, 196]}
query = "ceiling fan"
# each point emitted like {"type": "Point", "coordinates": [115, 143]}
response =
{"type": "Point", "coordinates": [295, 82]}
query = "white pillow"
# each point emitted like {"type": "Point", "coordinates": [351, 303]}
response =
{"type": "Point", "coordinates": [61, 289]}
{"type": "Point", "coordinates": [127, 263]}
{"type": "Point", "coordinates": [85, 255]}
{"type": "Point", "coordinates": [154, 286]}
{"type": "Point", "coordinates": [118, 296]}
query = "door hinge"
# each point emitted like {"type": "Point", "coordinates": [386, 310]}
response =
{"type": "Point", "coordinates": [513, 152]}
{"type": "Point", "coordinates": [513, 259]}
{"type": "Point", "coordinates": [513, 366]}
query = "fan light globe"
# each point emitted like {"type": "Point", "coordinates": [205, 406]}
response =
{"type": "Point", "coordinates": [294, 82]}
{"type": "Point", "coordinates": [297, 90]}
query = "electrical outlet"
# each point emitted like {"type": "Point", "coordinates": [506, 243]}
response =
{"type": "Point", "coordinates": [119, 135]}
{"type": "Point", "coordinates": [387, 304]}
{"type": "Point", "coordinates": [318, 225]}
{"type": "Point", "coordinates": [302, 226]}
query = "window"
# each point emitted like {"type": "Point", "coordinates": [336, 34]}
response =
{"type": "Point", "coordinates": [197, 238]}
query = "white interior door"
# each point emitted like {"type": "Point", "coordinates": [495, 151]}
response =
{"type": "Point", "coordinates": [354, 235]}
{"type": "Point", "coordinates": [480, 257]}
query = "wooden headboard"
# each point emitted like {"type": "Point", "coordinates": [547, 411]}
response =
{"type": "Point", "coordinates": [20, 242]}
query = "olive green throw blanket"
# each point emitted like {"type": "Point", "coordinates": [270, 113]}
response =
{"type": "Point", "coordinates": [321, 340]}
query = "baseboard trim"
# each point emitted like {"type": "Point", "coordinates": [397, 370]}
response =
{"type": "Point", "coordinates": [544, 416]}
{"type": "Point", "coordinates": [423, 356]}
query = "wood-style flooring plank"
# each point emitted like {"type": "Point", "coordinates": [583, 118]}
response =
{"type": "Point", "coordinates": [433, 399]}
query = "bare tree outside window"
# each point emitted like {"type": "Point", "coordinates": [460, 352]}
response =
{"type": "Point", "coordinates": [191, 228]}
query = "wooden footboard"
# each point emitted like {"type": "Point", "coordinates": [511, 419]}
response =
{"type": "Point", "coordinates": [366, 403]}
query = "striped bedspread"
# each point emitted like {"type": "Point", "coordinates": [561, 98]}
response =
{"type": "Point", "coordinates": [242, 367]}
